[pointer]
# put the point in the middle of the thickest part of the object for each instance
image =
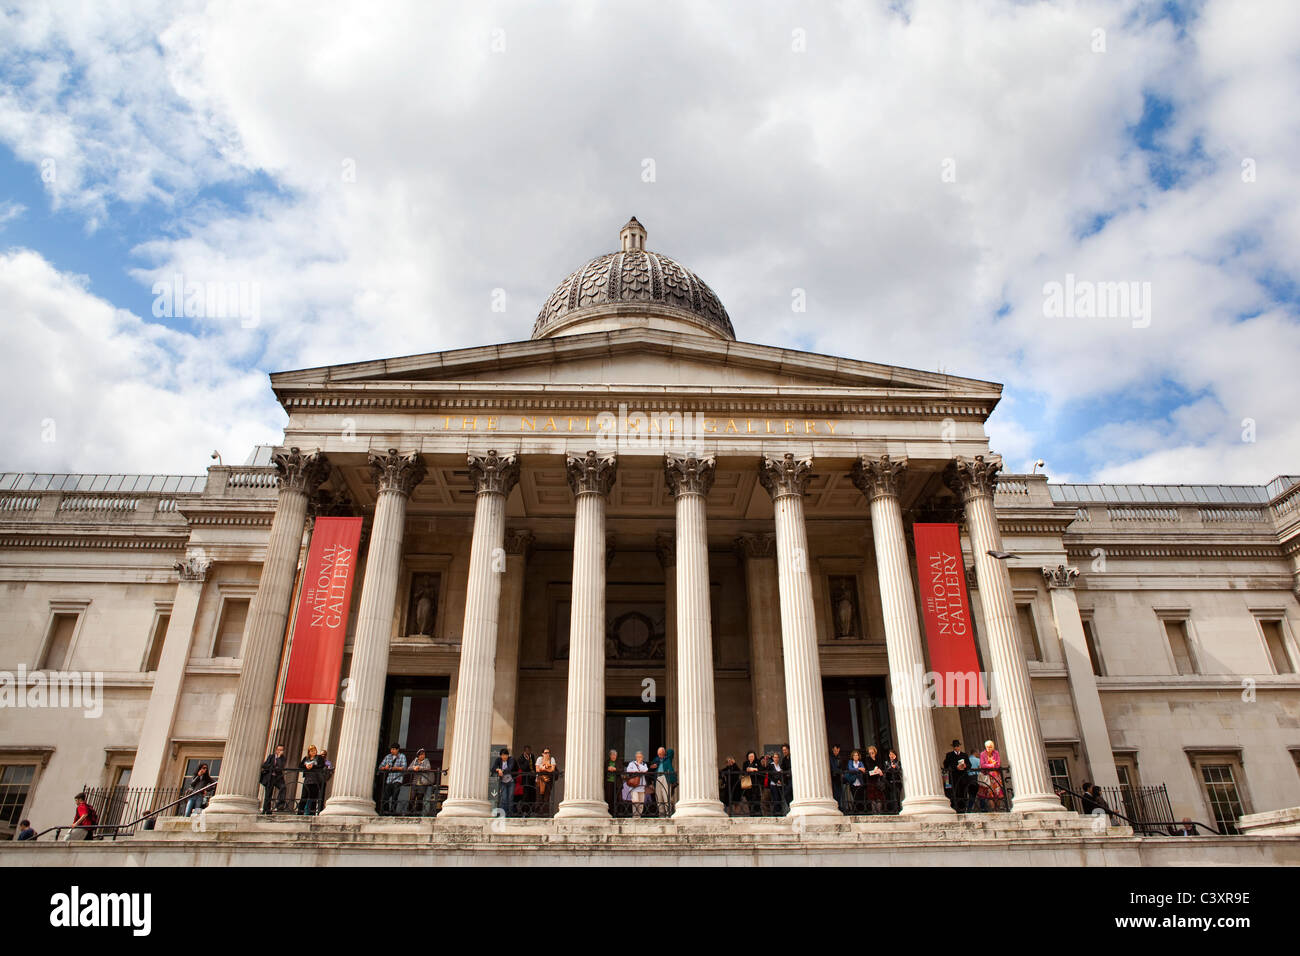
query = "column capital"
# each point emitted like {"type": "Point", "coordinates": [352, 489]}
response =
{"type": "Point", "coordinates": [519, 541]}
{"type": "Point", "coordinates": [784, 476]}
{"type": "Point", "coordinates": [1060, 576]}
{"type": "Point", "coordinates": [194, 567]}
{"type": "Point", "coordinates": [492, 474]}
{"type": "Point", "coordinates": [591, 474]}
{"type": "Point", "coordinates": [756, 545]}
{"type": "Point", "coordinates": [298, 472]}
{"type": "Point", "coordinates": [666, 549]}
{"type": "Point", "coordinates": [395, 472]}
{"type": "Point", "coordinates": [973, 477]}
{"type": "Point", "coordinates": [688, 474]}
{"type": "Point", "coordinates": [879, 477]}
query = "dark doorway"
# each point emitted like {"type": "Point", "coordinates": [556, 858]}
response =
{"type": "Point", "coordinates": [415, 716]}
{"type": "Point", "coordinates": [857, 713]}
{"type": "Point", "coordinates": [632, 724]}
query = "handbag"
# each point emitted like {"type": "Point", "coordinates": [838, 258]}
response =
{"type": "Point", "coordinates": [634, 781]}
{"type": "Point", "coordinates": [746, 782]}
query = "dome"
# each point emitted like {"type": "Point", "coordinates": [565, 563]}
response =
{"type": "Point", "coordinates": [633, 286]}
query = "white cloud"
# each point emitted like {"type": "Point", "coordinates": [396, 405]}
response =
{"type": "Point", "coordinates": [775, 169]}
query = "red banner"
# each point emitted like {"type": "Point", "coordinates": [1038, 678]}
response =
{"type": "Point", "coordinates": [322, 622]}
{"type": "Point", "coordinates": [948, 630]}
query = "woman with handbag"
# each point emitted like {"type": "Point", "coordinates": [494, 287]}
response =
{"type": "Point", "coordinates": [198, 801]}
{"type": "Point", "coordinates": [875, 773]}
{"type": "Point", "coordinates": [990, 778]}
{"type": "Point", "coordinates": [751, 776]}
{"type": "Point", "coordinates": [854, 773]}
{"type": "Point", "coordinates": [634, 784]}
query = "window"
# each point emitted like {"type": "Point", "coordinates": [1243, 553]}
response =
{"type": "Point", "coordinates": [1090, 639]}
{"type": "Point", "coordinates": [59, 642]}
{"type": "Point", "coordinates": [156, 638]}
{"type": "Point", "coordinates": [230, 632]}
{"type": "Point", "coordinates": [1028, 632]}
{"type": "Point", "coordinates": [192, 767]}
{"type": "Point", "coordinates": [15, 787]}
{"type": "Point", "coordinates": [1223, 795]}
{"type": "Point", "coordinates": [1058, 768]}
{"type": "Point", "coordinates": [1275, 640]}
{"type": "Point", "coordinates": [1180, 647]}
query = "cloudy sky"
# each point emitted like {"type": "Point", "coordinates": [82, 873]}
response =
{"type": "Point", "coordinates": [928, 172]}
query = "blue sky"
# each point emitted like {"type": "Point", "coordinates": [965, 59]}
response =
{"type": "Point", "coordinates": [375, 182]}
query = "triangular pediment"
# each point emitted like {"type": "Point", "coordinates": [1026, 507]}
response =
{"type": "Point", "coordinates": [638, 357]}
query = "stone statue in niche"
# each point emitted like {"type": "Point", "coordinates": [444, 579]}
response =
{"type": "Point", "coordinates": [844, 607]}
{"type": "Point", "coordinates": [423, 612]}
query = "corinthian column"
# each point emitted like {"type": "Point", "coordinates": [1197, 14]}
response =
{"type": "Point", "coordinates": [299, 476]}
{"type": "Point", "coordinates": [689, 479]}
{"type": "Point", "coordinates": [591, 479]}
{"type": "Point", "coordinates": [467, 787]}
{"type": "Point", "coordinates": [975, 480]}
{"type": "Point", "coordinates": [880, 480]}
{"type": "Point", "coordinates": [395, 477]}
{"type": "Point", "coordinates": [666, 551]}
{"type": "Point", "coordinates": [785, 480]}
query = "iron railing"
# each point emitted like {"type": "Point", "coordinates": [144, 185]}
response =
{"type": "Point", "coordinates": [127, 804]}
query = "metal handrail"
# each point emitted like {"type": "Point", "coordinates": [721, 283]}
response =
{"type": "Point", "coordinates": [1155, 827]}
{"type": "Point", "coordinates": [126, 826]}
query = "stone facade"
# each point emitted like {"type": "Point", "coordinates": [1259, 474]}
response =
{"type": "Point", "coordinates": [554, 504]}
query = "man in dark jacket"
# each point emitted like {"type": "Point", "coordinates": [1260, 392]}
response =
{"type": "Point", "coordinates": [837, 775]}
{"type": "Point", "coordinates": [273, 779]}
{"type": "Point", "coordinates": [505, 769]}
{"type": "Point", "coordinates": [955, 765]}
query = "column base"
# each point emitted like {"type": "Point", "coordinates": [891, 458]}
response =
{"type": "Point", "coordinates": [356, 807]}
{"type": "Point", "coordinates": [1038, 803]}
{"type": "Point", "coordinates": [232, 803]}
{"type": "Point", "coordinates": [699, 810]}
{"type": "Point", "coordinates": [464, 808]}
{"type": "Point", "coordinates": [814, 808]}
{"type": "Point", "coordinates": [582, 809]}
{"type": "Point", "coordinates": [934, 806]}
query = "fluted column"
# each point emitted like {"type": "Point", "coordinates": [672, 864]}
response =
{"type": "Point", "coordinates": [591, 478]}
{"type": "Point", "coordinates": [467, 787]}
{"type": "Point", "coordinates": [975, 479]}
{"type": "Point", "coordinates": [766, 670]}
{"type": "Point", "coordinates": [1083, 683]}
{"type": "Point", "coordinates": [299, 477]}
{"type": "Point", "coordinates": [785, 480]}
{"type": "Point", "coordinates": [518, 545]}
{"type": "Point", "coordinates": [689, 479]}
{"type": "Point", "coordinates": [352, 792]}
{"type": "Point", "coordinates": [880, 480]}
{"type": "Point", "coordinates": [666, 550]}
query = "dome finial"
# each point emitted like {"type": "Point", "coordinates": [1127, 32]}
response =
{"type": "Point", "coordinates": [632, 236]}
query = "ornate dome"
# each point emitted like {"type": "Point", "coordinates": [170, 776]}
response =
{"type": "Point", "coordinates": [633, 284]}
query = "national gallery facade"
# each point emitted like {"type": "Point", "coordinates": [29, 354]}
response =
{"type": "Point", "coordinates": [630, 531]}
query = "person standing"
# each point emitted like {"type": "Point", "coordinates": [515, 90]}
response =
{"type": "Point", "coordinates": [837, 775]}
{"type": "Point", "coordinates": [395, 762]}
{"type": "Point", "coordinates": [25, 831]}
{"type": "Point", "coordinates": [545, 778]}
{"type": "Point", "coordinates": [989, 775]}
{"type": "Point", "coordinates": [894, 781]}
{"type": "Point", "coordinates": [752, 792]}
{"type": "Point", "coordinates": [526, 785]}
{"type": "Point", "coordinates": [729, 791]}
{"type": "Point", "coordinates": [611, 782]}
{"type": "Point", "coordinates": [665, 782]}
{"type": "Point", "coordinates": [777, 775]}
{"type": "Point", "coordinates": [787, 789]}
{"type": "Point", "coordinates": [273, 779]}
{"type": "Point", "coordinates": [421, 780]}
{"type": "Point", "coordinates": [955, 764]}
{"type": "Point", "coordinates": [505, 769]}
{"type": "Point", "coordinates": [634, 783]}
{"type": "Point", "coordinates": [855, 772]}
{"type": "Point", "coordinates": [84, 821]}
{"type": "Point", "coordinates": [197, 800]}
{"type": "Point", "coordinates": [875, 772]}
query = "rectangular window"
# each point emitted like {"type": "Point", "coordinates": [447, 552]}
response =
{"type": "Point", "coordinates": [1276, 641]}
{"type": "Point", "coordinates": [15, 786]}
{"type": "Point", "coordinates": [156, 641]}
{"type": "Point", "coordinates": [1058, 768]}
{"type": "Point", "coordinates": [62, 628]}
{"type": "Point", "coordinates": [230, 633]}
{"type": "Point", "coordinates": [1090, 639]}
{"type": "Point", "coordinates": [1180, 647]}
{"type": "Point", "coordinates": [1223, 794]}
{"type": "Point", "coordinates": [192, 767]}
{"type": "Point", "coordinates": [1028, 633]}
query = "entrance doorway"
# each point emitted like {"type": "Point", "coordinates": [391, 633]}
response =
{"type": "Point", "coordinates": [857, 713]}
{"type": "Point", "coordinates": [632, 724]}
{"type": "Point", "coordinates": [415, 716]}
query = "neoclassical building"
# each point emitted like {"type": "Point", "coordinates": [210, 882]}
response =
{"type": "Point", "coordinates": [633, 529]}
